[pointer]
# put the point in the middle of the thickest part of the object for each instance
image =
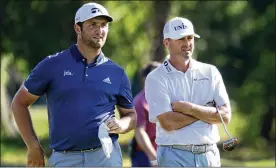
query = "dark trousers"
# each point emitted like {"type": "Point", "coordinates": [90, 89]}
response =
{"type": "Point", "coordinates": [140, 159]}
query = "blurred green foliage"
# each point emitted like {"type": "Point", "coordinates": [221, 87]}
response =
{"type": "Point", "coordinates": [236, 36]}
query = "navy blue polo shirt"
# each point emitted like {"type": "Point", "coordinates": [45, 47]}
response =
{"type": "Point", "coordinates": [80, 96]}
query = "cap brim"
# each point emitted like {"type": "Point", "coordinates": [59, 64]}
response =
{"type": "Point", "coordinates": [109, 18]}
{"type": "Point", "coordinates": [185, 34]}
{"type": "Point", "coordinates": [197, 36]}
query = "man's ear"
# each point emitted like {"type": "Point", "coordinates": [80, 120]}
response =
{"type": "Point", "coordinates": [166, 42]}
{"type": "Point", "coordinates": [77, 29]}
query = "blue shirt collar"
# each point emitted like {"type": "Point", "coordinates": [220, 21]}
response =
{"type": "Point", "coordinates": [100, 59]}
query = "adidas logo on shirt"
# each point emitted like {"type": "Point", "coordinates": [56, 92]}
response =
{"type": "Point", "coordinates": [107, 80]}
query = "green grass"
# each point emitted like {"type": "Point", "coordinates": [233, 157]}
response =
{"type": "Point", "coordinates": [235, 127]}
{"type": "Point", "coordinates": [257, 163]}
{"type": "Point", "coordinates": [40, 120]}
{"type": "Point", "coordinates": [13, 151]}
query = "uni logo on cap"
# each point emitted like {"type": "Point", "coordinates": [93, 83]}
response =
{"type": "Point", "coordinates": [180, 27]}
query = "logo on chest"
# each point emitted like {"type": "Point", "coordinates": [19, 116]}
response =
{"type": "Point", "coordinates": [67, 73]}
{"type": "Point", "coordinates": [107, 80]}
{"type": "Point", "coordinates": [200, 79]}
{"type": "Point", "coordinates": [167, 66]}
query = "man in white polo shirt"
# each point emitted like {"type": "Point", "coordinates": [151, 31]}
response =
{"type": "Point", "coordinates": [184, 96]}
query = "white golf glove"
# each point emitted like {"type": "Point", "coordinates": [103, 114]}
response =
{"type": "Point", "coordinates": [106, 141]}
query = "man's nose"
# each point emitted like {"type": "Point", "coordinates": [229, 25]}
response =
{"type": "Point", "coordinates": [99, 30]}
{"type": "Point", "coordinates": [185, 41]}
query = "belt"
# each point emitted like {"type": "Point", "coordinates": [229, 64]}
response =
{"type": "Point", "coordinates": [83, 150]}
{"type": "Point", "coordinates": [194, 148]}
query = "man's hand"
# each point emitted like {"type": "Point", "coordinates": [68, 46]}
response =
{"type": "Point", "coordinates": [35, 157]}
{"type": "Point", "coordinates": [154, 163]}
{"type": "Point", "coordinates": [183, 106]}
{"type": "Point", "coordinates": [114, 125]}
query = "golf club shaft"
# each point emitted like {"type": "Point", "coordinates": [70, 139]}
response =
{"type": "Point", "coordinates": [223, 123]}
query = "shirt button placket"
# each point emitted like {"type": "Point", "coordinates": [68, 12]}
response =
{"type": "Point", "coordinates": [86, 71]}
{"type": "Point", "coordinates": [86, 68]}
{"type": "Point", "coordinates": [188, 88]}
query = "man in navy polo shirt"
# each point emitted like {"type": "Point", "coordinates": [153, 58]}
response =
{"type": "Point", "coordinates": [82, 87]}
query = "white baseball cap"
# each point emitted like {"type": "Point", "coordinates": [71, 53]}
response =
{"type": "Point", "coordinates": [178, 28]}
{"type": "Point", "coordinates": [91, 10]}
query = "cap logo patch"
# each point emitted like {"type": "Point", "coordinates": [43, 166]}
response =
{"type": "Point", "coordinates": [95, 10]}
{"type": "Point", "coordinates": [180, 27]}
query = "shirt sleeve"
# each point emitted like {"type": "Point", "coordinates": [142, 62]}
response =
{"type": "Point", "coordinates": [38, 80]}
{"type": "Point", "coordinates": [157, 97]}
{"type": "Point", "coordinates": [124, 98]}
{"type": "Point", "coordinates": [141, 113]}
{"type": "Point", "coordinates": [220, 95]}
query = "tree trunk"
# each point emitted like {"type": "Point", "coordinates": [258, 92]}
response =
{"type": "Point", "coordinates": [7, 121]}
{"type": "Point", "coordinates": [161, 11]}
{"type": "Point", "coordinates": [267, 123]}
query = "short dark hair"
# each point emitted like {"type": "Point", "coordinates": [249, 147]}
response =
{"type": "Point", "coordinates": [151, 66]}
{"type": "Point", "coordinates": [80, 24]}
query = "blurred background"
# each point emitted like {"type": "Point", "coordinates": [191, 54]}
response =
{"type": "Point", "coordinates": [236, 36]}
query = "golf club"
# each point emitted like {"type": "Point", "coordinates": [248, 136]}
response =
{"type": "Point", "coordinates": [231, 143]}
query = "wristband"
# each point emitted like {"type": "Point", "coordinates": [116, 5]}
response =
{"type": "Point", "coordinates": [153, 162]}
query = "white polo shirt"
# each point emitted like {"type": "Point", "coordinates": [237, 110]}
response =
{"type": "Point", "coordinates": [200, 84]}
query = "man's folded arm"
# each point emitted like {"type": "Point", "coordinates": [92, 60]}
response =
{"type": "Point", "coordinates": [210, 114]}
{"type": "Point", "coordinates": [204, 113]}
{"type": "Point", "coordinates": [175, 120]}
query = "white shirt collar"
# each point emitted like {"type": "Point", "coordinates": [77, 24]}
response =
{"type": "Point", "coordinates": [169, 68]}
{"type": "Point", "coordinates": [101, 59]}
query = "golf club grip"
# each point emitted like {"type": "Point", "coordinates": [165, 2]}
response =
{"type": "Point", "coordinates": [223, 123]}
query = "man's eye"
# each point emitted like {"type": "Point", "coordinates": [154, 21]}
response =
{"type": "Point", "coordinates": [92, 25]}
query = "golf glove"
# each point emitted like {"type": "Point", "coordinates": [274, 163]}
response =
{"type": "Point", "coordinates": [106, 141]}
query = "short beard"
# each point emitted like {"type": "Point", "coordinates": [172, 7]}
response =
{"type": "Point", "coordinates": [91, 43]}
{"type": "Point", "coordinates": [186, 57]}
